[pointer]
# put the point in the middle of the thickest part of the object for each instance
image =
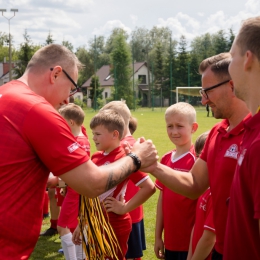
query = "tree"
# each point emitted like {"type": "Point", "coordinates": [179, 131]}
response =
{"type": "Point", "coordinates": [25, 53]}
{"type": "Point", "coordinates": [68, 45]}
{"type": "Point", "coordinates": [231, 38]}
{"type": "Point", "coordinates": [95, 91]}
{"type": "Point", "coordinates": [88, 70]}
{"type": "Point", "coordinates": [158, 69]}
{"type": "Point", "coordinates": [49, 39]}
{"type": "Point", "coordinates": [121, 58]}
{"type": "Point", "coordinates": [182, 63]}
{"type": "Point", "coordinates": [220, 42]}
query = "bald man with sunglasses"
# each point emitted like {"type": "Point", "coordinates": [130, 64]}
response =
{"type": "Point", "coordinates": [216, 165]}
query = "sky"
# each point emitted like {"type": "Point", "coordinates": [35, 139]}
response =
{"type": "Point", "coordinates": [78, 21]}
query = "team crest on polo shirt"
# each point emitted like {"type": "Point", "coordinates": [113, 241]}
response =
{"type": "Point", "coordinates": [241, 157]}
{"type": "Point", "coordinates": [232, 151]}
{"type": "Point", "coordinates": [73, 147]}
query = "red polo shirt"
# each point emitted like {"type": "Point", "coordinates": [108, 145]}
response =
{"type": "Point", "coordinates": [242, 235]}
{"type": "Point", "coordinates": [221, 153]}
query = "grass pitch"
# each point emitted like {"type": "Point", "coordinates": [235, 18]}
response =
{"type": "Point", "coordinates": [151, 125]}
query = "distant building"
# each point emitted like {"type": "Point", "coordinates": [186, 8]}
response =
{"type": "Point", "coordinates": [4, 72]}
{"type": "Point", "coordinates": [107, 81]}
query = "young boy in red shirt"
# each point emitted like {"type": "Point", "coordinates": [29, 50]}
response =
{"type": "Point", "coordinates": [143, 189]}
{"type": "Point", "coordinates": [176, 213]}
{"type": "Point", "coordinates": [203, 235]}
{"type": "Point", "coordinates": [108, 128]}
{"type": "Point", "coordinates": [67, 222]}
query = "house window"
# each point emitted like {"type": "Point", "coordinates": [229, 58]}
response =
{"type": "Point", "coordinates": [105, 94]}
{"type": "Point", "coordinates": [142, 79]}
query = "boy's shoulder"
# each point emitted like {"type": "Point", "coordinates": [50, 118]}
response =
{"type": "Point", "coordinates": [185, 156]}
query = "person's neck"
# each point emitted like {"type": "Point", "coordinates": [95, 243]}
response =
{"type": "Point", "coordinates": [240, 111]}
{"type": "Point", "coordinates": [112, 147]}
{"type": "Point", "coordinates": [76, 131]}
{"type": "Point", "coordinates": [180, 150]}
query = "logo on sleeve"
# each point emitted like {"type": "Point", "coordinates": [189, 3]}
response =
{"type": "Point", "coordinates": [73, 147]}
{"type": "Point", "coordinates": [232, 151]}
{"type": "Point", "coordinates": [241, 157]}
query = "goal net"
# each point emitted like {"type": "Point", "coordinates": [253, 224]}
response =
{"type": "Point", "coordinates": [188, 94]}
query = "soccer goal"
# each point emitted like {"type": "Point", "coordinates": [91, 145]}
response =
{"type": "Point", "coordinates": [188, 94]}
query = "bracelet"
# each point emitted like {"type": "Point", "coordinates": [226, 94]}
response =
{"type": "Point", "coordinates": [137, 161]}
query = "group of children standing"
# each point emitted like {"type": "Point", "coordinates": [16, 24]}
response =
{"type": "Point", "coordinates": [184, 227]}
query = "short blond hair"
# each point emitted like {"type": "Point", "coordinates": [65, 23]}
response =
{"type": "Point", "coordinates": [73, 112]}
{"type": "Point", "coordinates": [110, 119]}
{"type": "Point", "coordinates": [53, 55]}
{"type": "Point", "coordinates": [121, 108]}
{"type": "Point", "coordinates": [184, 109]}
{"type": "Point", "coordinates": [248, 37]}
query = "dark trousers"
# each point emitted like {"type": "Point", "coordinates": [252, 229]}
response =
{"type": "Point", "coordinates": [175, 255]}
{"type": "Point", "coordinates": [216, 255]}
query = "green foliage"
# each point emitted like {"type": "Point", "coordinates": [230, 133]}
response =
{"type": "Point", "coordinates": [121, 70]}
{"type": "Point", "coordinates": [26, 51]}
{"type": "Point", "coordinates": [49, 39]}
{"type": "Point", "coordinates": [79, 102]}
{"type": "Point", "coordinates": [68, 45]}
{"type": "Point", "coordinates": [95, 92]}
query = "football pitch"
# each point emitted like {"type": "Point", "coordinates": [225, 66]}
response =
{"type": "Point", "coordinates": [151, 125]}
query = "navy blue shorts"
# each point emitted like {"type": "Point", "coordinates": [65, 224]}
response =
{"type": "Point", "coordinates": [136, 241]}
{"type": "Point", "coordinates": [175, 255]}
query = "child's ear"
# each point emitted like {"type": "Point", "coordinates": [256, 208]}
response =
{"type": "Point", "coordinates": [115, 134]}
{"type": "Point", "coordinates": [194, 127]}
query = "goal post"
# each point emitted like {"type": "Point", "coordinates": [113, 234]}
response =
{"type": "Point", "coordinates": [188, 92]}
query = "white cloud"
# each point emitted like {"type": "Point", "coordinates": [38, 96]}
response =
{"type": "Point", "coordinates": [109, 26]}
{"type": "Point", "coordinates": [252, 5]}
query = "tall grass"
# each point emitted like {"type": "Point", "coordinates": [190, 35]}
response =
{"type": "Point", "coordinates": [151, 125]}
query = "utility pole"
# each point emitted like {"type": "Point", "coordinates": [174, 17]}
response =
{"type": "Point", "coordinates": [10, 48]}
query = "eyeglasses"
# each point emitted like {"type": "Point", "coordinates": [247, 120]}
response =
{"type": "Point", "coordinates": [75, 90]}
{"type": "Point", "coordinates": [203, 92]}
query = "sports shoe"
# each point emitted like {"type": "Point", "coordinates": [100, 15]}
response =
{"type": "Point", "coordinates": [49, 232]}
{"type": "Point", "coordinates": [61, 251]}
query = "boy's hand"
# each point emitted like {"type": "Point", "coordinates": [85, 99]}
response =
{"type": "Point", "coordinates": [159, 248]}
{"type": "Point", "coordinates": [76, 237]}
{"type": "Point", "coordinates": [116, 206]}
{"type": "Point", "coordinates": [146, 152]}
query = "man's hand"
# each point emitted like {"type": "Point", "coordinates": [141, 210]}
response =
{"type": "Point", "coordinates": [146, 152]}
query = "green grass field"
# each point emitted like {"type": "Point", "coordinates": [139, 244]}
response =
{"type": "Point", "coordinates": [151, 125]}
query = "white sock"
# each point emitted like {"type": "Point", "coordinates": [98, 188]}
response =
{"type": "Point", "coordinates": [80, 252]}
{"type": "Point", "coordinates": [68, 247]}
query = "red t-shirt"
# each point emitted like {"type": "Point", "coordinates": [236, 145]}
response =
{"type": "Point", "coordinates": [136, 214]}
{"type": "Point", "coordinates": [220, 152]}
{"type": "Point", "coordinates": [35, 140]}
{"type": "Point", "coordinates": [70, 206]}
{"type": "Point", "coordinates": [242, 239]}
{"type": "Point", "coordinates": [121, 224]}
{"type": "Point", "coordinates": [178, 211]}
{"type": "Point", "coordinates": [204, 219]}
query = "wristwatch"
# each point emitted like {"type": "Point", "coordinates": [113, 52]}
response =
{"type": "Point", "coordinates": [137, 161]}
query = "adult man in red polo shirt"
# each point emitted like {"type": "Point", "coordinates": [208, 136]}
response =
{"type": "Point", "coordinates": [243, 225]}
{"type": "Point", "coordinates": [216, 165]}
{"type": "Point", "coordinates": [36, 140]}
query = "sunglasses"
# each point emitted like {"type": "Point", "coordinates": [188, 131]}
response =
{"type": "Point", "coordinates": [75, 90]}
{"type": "Point", "coordinates": [203, 92]}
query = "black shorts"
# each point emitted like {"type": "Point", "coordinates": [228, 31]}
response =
{"type": "Point", "coordinates": [136, 241]}
{"type": "Point", "coordinates": [175, 255]}
{"type": "Point", "coordinates": [216, 255]}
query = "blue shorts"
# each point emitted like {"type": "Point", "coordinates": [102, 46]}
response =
{"type": "Point", "coordinates": [136, 241]}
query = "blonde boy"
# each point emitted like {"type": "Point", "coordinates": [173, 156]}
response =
{"type": "Point", "coordinates": [176, 213]}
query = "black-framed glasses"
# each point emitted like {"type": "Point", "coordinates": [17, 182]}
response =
{"type": "Point", "coordinates": [75, 90]}
{"type": "Point", "coordinates": [203, 92]}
